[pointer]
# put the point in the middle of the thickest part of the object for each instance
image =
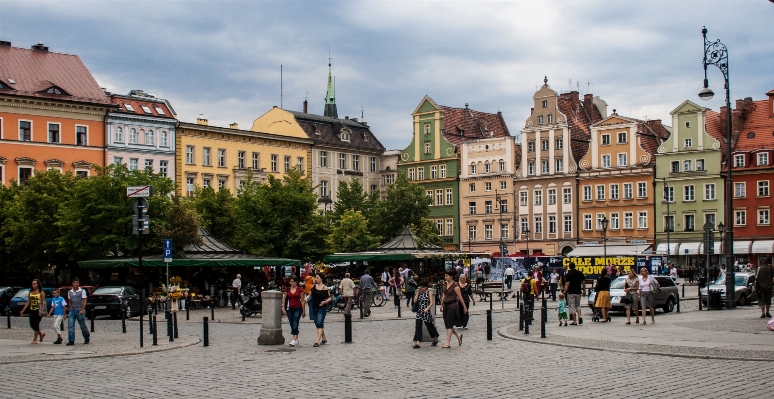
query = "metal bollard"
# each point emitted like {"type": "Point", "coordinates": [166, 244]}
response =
{"type": "Point", "coordinates": [212, 311]}
{"type": "Point", "coordinates": [141, 332]}
{"type": "Point", "coordinates": [243, 316]}
{"type": "Point", "coordinates": [154, 323]}
{"type": "Point", "coordinates": [360, 304]}
{"type": "Point", "coordinates": [186, 311]}
{"type": "Point", "coordinates": [170, 334]}
{"type": "Point", "coordinates": [700, 297]}
{"type": "Point", "coordinates": [8, 314]}
{"type": "Point", "coordinates": [399, 306]}
{"type": "Point", "coordinates": [526, 323]}
{"type": "Point", "coordinates": [123, 319]}
{"type": "Point", "coordinates": [150, 322]}
{"type": "Point", "coordinates": [347, 328]}
{"type": "Point", "coordinates": [518, 299]}
{"type": "Point", "coordinates": [174, 320]}
{"type": "Point", "coordinates": [92, 320]}
{"type": "Point", "coordinates": [683, 290]}
{"type": "Point", "coordinates": [489, 324]}
{"type": "Point", "coordinates": [543, 318]}
{"type": "Point", "coordinates": [678, 303]}
{"type": "Point", "coordinates": [206, 332]}
{"type": "Point", "coordinates": [521, 319]}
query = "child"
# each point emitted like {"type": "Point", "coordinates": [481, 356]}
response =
{"type": "Point", "coordinates": [562, 308]}
{"type": "Point", "coordinates": [57, 308]}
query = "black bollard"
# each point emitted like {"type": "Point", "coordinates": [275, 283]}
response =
{"type": "Point", "coordinates": [150, 321]}
{"type": "Point", "coordinates": [170, 334]}
{"type": "Point", "coordinates": [8, 314]}
{"type": "Point", "coordinates": [683, 290]}
{"type": "Point", "coordinates": [92, 320]}
{"type": "Point", "coordinates": [526, 327]}
{"type": "Point", "coordinates": [521, 319]}
{"type": "Point", "coordinates": [154, 324]}
{"type": "Point", "coordinates": [206, 332]}
{"type": "Point", "coordinates": [700, 297]}
{"type": "Point", "coordinates": [678, 303]}
{"type": "Point", "coordinates": [518, 299]}
{"type": "Point", "coordinates": [123, 319]}
{"type": "Point", "coordinates": [243, 315]}
{"type": "Point", "coordinates": [360, 304]}
{"type": "Point", "coordinates": [174, 326]}
{"type": "Point", "coordinates": [399, 307]}
{"type": "Point", "coordinates": [186, 311]}
{"type": "Point", "coordinates": [347, 328]}
{"type": "Point", "coordinates": [489, 324]}
{"type": "Point", "coordinates": [141, 332]}
{"type": "Point", "coordinates": [212, 311]}
{"type": "Point", "coordinates": [543, 317]}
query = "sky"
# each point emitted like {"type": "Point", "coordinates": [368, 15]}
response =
{"type": "Point", "coordinates": [221, 59]}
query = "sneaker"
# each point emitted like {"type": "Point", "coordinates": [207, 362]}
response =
{"type": "Point", "coordinates": [70, 343]}
{"type": "Point", "coordinates": [58, 341]}
{"type": "Point", "coordinates": [580, 320]}
{"type": "Point", "coordinates": [86, 342]}
{"type": "Point", "coordinates": [293, 343]}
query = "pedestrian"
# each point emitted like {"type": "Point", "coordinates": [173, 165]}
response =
{"type": "Point", "coordinates": [458, 268]}
{"type": "Point", "coordinates": [347, 289]}
{"type": "Point", "coordinates": [561, 308]}
{"type": "Point", "coordinates": [554, 283]}
{"type": "Point", "coordinates": [479, 275]}
{"type": "Point", "coordinates": [763, 285]}
{"type": "Point", "coordinates": [487, 269]}
{"type": "Point", "coordinates": [405, 272]}
{"type": "Point", "coordinates": [574, 286]}
{"type": "Point", "coordinates": [308, 284]}
{"type": "Point", "coordinates": [619, 272]}
{"type": "Point", "coordinates": [537, 275]}
{"type": "Point", "coordinates": [76, 299]}
{"type": "Point", "coordinates": [509, 272]}
{"type": "Point", "coordinates": [321, 297]}
{"type": "Point", "coordinates": [673, 273]}
{"type": "Point", "coordinates": [36, 301]}
{"type": "Point", "coordinates": [411, 288]}
{"type": "Point", "coordinates": [386, 283]}
{"type": "Point", "coordinates": [236, 291]}
{"type": "Point", "coordinates": [528, 292]}
{"type": "Point", "coordinates": [293, 306]}
{"type": "Point", "coordinates": [395, 285]}
{"type": "Point", "coordinates": [368, 287]}
{"type": "Point", "coordinates": [451, 299]}
{"type": "Point", "coordinates": [602, 302]}
{"type": "Point", "coordinates": [609, 271]}
{"type": "Point", "coordinates": [647, 297]}
{"type": "Point", "coordinates": [631, 288]}
{"type": "Point", "coordinates": [467, 297]}
{"type": "Point", "coordinates": [58, 305]}
{"type": "Point", "coordinates": [424, 314]}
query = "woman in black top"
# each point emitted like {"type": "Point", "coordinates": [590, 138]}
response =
{"type": "Point", "coordinates": [603, 296]}
{"type": "Point", "coordinates": [321, 297]}
{"type": "Point", "coordinates": [467, 295]}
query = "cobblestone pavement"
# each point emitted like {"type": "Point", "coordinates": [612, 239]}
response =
{"type": "Point", "coordinates": [381, 363]}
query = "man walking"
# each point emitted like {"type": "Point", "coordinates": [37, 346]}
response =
{"type": "Point", "coordinates": [236, 291]}
{"type": "Point", "coordinates": [509, 272]}
{"type": "Point", "coordinates": [347, 289]}
{"type": "Point", "coordinates": [77, 302]}
{"type": "Point", "coordinates": [368, 287]}
{"type": "Point", "coordinates": [763, 285]}
{"type": "Point", "coordinates": [574, 286]}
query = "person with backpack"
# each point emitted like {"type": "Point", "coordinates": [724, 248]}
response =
{"type": "Point", "coordinates": [411, 288]}
{"type": "Point", "coordinates": [528, 293]}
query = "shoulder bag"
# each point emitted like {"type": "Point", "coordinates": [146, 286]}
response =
{"type": "Point", "coordinates": [655, 287]}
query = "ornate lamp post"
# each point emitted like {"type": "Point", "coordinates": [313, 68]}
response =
{"type": "Point", "coordinates": [716, 53]}
{"type": "Point", "coordinates": [526, 232]}
{"type": "Point", "coordinates": [604, 223]}
{"type": "Point", "coordinates": [668, 227]}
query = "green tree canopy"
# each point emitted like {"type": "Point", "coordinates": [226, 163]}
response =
{"type": "Point", "coordinates": [404, 204]}
{"type": "Point", "coordinates": [351, 234]}
{"type": "Point", "coordinates": [426, 233]}
{"type": "Point", "coordinates": [181, 224]}
{"type": "Point", "coordinates": [216, 212]}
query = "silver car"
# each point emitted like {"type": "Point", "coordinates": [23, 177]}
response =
{"type": "Point", "coordinates": [665, 299]}
{"type": "Point", "coordinates": [744, 282]}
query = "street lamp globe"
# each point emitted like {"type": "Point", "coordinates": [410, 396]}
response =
{"type": "Point", "coordinates": [721, 227]}
{"type": "Point", "coordinates": [604, 223]}
{"type": "Point", "coordinates": [706, 94]}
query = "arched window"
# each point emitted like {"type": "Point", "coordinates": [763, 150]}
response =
{"type": "Point", "coordinates": [149, 138]}
{"type": "Point", "coordinates": [132, 136]}
{"type": "Point", "coordinates": [119, 135]}
{"type": "Point", "coordinates": [163, 138]}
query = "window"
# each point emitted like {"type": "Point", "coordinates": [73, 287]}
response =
{"type": "Point", "coordinates": [449, 197]}
{"type": "Point", "coordinates": [118, 160]}
{"type": "Point", "coordinates": [274, 161]}
{"type": "Point", "coordinates": [559, 166]}
{"type": "Point", "coordinates": [502, 166]}
{"type": "Point", "coordinates": [149, 138]}
{"type": "Point", "coordinates": [24, 174]}
{"type": "Point", "coordinates": [669, 223]}
{"type": "Point", "coordinates": [763, 158]}
{"type": "Point", "coordinates": [687, 166]}
{"type": "Point", "coordinates": [544, 167]}
{"type": "Point", "coordinates": [690, 223]}
{"type": "Point", "coordinates": [524, 225]}
{"type": "Point", "coordinates": [622, 159]}
{"type": "Point", "coordinates": [146, 109]}
{"type": "Point", "coordinates": [389, 179]}
{"type": "Point", "coordinates": [523, 198]}
{"type": "Point", "coordinates": [119, 137]}
{"type": "Point", "coordinates": [132, 136]}
{"type": "Point", "coordinates": [544, 145]}
{"type": "Point", "coordinates": [206, 157]}
{"type": "Point", "coordinates": [439, 226]}
{"type": "Point", "coordinates": [323, 188]}
{"type": "Point", "coordinates": [324, 159]}
{"type": "Point", "coordinates": [614, 191]}
{"type": "Point", "coordinates": [627, 188]}
{"type": "Point", "coordinates": [550, 118]}
{"type": "Point", "coordinates": [538, 197]}
{"type": "Point", "coordinates": [709, 191]}
{"type": "Point", "coordinates": [642, 190]}
{"type": "Point", "coordinates": [487, 167]}
{"type": "Point", "coordinates": [53, 133]}
{"type": "Point", "coordinates": [540, 119]}
{"type": "Point", "coordinates": [25, 134]}
{"type": "Point", "coordinates": [420, 172]}
{"type": "Point", "coordinates": [189, 154]}
{"type": "Point", "coordinates": [487, 231]}
{"type": "Point", "coordinates": [699, 165]}
{"type": "Point", "coordinates": [600, 192]}
{"type": "Point", "coordinates": [471, 233]}
{"type": "Point", "coordinates": [373, 164]}
{"type": "Point", "coordinates": [345, 135]}
{"type": "Point", "coordinates": [688, 193]}
{"type": "Point", "coordinates": [356, 162]}
{"type": "Point", "coordinates": [487, 206]}
{"type": "Point", "coordinates": [558, 144]}
{"type": "Point", "coordinates": [222, 184]}
{"type": "Point", "coordinates": [740, 190]}
{"type": "Point", "coordinates": [343, 162]}
{"type": "Point", "coordinates": [427, 128]}
{"type": "Point", "coordinates": [189, 186]}
{"type": "Point", "coordinates": [687, 124]}
{"type": "Point", "coordinates": [538, 225]}
{"type": "Point", "coordinates": [503, 185]}
{"type": "Point", "coordinates": [164, 139]}
{"type": "Point", "coordinates": [600, 217]}
{"type": "Point", "coordinates": [427, 148]}
{"type": "Point", "coordinates": [300, 164]}
{"type": "Point", "coordinates": [443, 171]}
{"type": "Point", "coordinates": [472, 208]}
{"type": "Point", "coordinates": [709, 218]}
{"type": "Point", "coordinates": [605, 139]}
{"type": "Point", "coordinates": [286, 162]}
{"type": "Point", "coordinates": [545, 103]}
{"type": "Point", "coordinates": [164, 168]}
{"type": "Point", "coordinates": [531, 168]}
{"type": "Point", "coordinates": [449, 227]}
{"type": "Point", "coordinates": [567, 195]}
{"type": "Point", "coordinates": [531, 146]}
{"type": "Point", "coordinates": [504, 231]}
{"type": "Point", "coordinates": [763, 216]}
{"type": "Point", "coordinates": [429, 193]}
{"type": "Point", "coordinates": [587, 193]}
{"type": "Point", "coordinates": [568, 223]}
{"type": "Point", "coordinates": [488, 186]}
{"type": "Point", "coordinates": [504, 206]}
{"type": "Point", "coordinates": [551, 196]}
{"type": "Point", "coordinates": [473, 169]}
{"type": "Point", "coordinates": [738, 161]}
{"type": "Point", "coordinates": [133, 163]}
{"type": "Point", "coordinates": [433, 172]}
{"type": "Point", "coordinates": [552, 225]}
{"type": "Point", "coordinates": [587, 222]}
{"type": "Point", "coordinates": [763, 188]}
{"type": "Point", "coordinates": [159, 110]}
{"type": "Point", "coordinates": [740, 218]}
{"type": "Point", "coordinates": [621, 137]}
{"type": "Point", "coordinates": [472, 187]}
{"type": "Point", "coordinates": [628, 220]}
{"type": "Point", "coordinates": [675, 167]}
{"type": "Point", "coordinates": [605, 161]}
{"type": "Point", "coordinates": [256, 161]}
{"type": "Point", "coordinates": [411, 174]}
{"type": "Point", "coordinates": [221, 158]}
{"type": "Point", "coordinates": [149, 164]}
{"type": "Point", "coordinates": [615, 222]}
{"type": "Point", "coordinates": [687, 143]}
{"type": "Point", "coordinates": [669, 194]}
{"type": "Point", "coordinates": [438, 197]}
{"type": "Point", "coordinates": [642, 220]}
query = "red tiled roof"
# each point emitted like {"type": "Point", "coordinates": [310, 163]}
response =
{"type": "Point", "coordinates": [580, 116]}
{"type": "Point", "coordinates": [759, 121]}
{"type": "Point", "coordinates": [137, 104]}
{"type": "Point", "coordinates": [35, 71]}
{"type": "Point", "coordinates": [715, 129]}
{"type": "Point", "coordinates": [652, 133]}
{"type": "Point", "coordinates": [463, 124]}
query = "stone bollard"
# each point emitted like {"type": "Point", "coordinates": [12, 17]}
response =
{"type": "Point", "coordinates": [271, 319]}
{"type": "Point", "coordinates": [425, 334]}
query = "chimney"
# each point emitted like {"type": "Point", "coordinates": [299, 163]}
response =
{"type": "Point", "coordinates": [40, 47]}
{"type": "Point", "coordinates": [354, 119]}
{"type": "Point", "coordinates": [466, 105]}
{"type": "Point", "coordinates": [531, 111]}
{"type": "Point", "coordinates": [202, 121]}
{"type": "Point", "coordinates": [588, 101]}
{"type": "Point", "coordinates": [5, 43]}
{"type": "Point", "coordinates": [346, 117]}
{"type": "Point", "coordinates": [233, 125]}
{"type": "Point", "coordinates": [306, 107]}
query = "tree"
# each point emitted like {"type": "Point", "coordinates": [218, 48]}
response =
{"type": "Point", "coordinates": [181, 225]}
{"type": "Point", "coordinates": [308, 242]}
{"type": "Point", "coordinates": [426, 233]}
{"type": "Point", "coordinates": [404, 204]}
{"type": "Point", "coordinates": [351, 234]}
{"type": "Point", "coordinates": [350, 196]}
{"type": "Point", "coordinates": [216, 212]}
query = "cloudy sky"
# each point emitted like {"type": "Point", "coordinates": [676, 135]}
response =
{"type": "Point", "coordinates": [222, 58]}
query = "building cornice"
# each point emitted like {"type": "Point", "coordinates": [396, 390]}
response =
{"type": "Point", "coordinates": [55, 106]}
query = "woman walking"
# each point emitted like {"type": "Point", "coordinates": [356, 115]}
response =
{"type": "Point", "coordinates": [411, 288]}
{"type": "Point", "coordinates": [321, 297]}
{"type": "Point", "coordinates": [450, 307]}
{"type": "Point", "coordinates": [647, 297]}
{"type": "Point", "coordinates": [603, 296]}
{"type": "Point", "coordinates": [631, 286]}
{"type": "Point", "coordinates": [396, 283]}
{"type": "Point", "coordinates": [293, 301]}
{"type": "Point", "coordinates": [553, 283]}
{"type": "Point", "coordinates": [36, 301]}
{"type": "Point", "coordinates": [424, 314]}
{"type": "Point", "coordinates": [467, 296]}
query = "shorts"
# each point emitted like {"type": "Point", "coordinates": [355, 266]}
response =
{"type": "Point", "coordinates": [647, 299]}
{"type": "Point", "coordinates": [562, 315]}
{"type": "Point", "coordinates": [573, 302]}
{"type": "Point", "coordinates": [603, 300]}
{"type": "Point", "coordinates": [635, 302]}
{"type": "Point", "coordinates": [764, 296]}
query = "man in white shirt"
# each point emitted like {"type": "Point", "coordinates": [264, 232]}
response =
{"type": "Point", "coordinates": [509, 272]}
{"type": "Point", "coordinates": [405, 271]}
{"type": "Point", "coordinates": [236, 291]}
{"type": "Point", "coordinates": [347, 289]}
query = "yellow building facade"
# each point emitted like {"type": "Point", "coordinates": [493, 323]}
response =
{"type": "Point", "coordinates": [222, 157]}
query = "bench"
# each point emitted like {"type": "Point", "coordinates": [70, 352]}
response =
{"type": "Point", "coordinates": [493, 287]}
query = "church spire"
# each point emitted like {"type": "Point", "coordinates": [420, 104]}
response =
{"type": "Point", "coordinates": [330, 95]}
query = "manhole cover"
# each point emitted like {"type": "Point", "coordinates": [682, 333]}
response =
{"type": "Point", "coordinates": [281, 350]}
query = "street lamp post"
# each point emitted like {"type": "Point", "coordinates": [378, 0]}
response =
{"type": "Point", "coordinates": [526, 232]}
{"type": "Point", "coordinates": [716, 53]}
{"type": "Point", "coordinates": [604, 223]}
{"type": "Point", "coordinates": [668, 227]}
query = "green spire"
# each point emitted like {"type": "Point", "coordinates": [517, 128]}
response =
{"type": "Point", "coordinates": [330, 95]}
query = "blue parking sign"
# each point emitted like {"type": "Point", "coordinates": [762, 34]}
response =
{"type": "Point", "coordinates": [167, 250]}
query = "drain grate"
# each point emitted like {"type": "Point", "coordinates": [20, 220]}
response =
{"type": "Point", "coordinates": [284, 350]}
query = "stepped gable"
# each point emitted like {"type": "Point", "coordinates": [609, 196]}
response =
{"type": "Point", "coordinates": [465, 124]}
{"type": "Point", "coordinates": [42, 74]}
{"type": "Point", "coordinates": [580, 116]}
{"type": "Point", "coordinates": [327, 130]}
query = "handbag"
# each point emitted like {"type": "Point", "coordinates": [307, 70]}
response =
{"type": "Point", "coordinates": [415, 307]}
{"type": "Point", "coordinates": [626, 299]}
{"type": "Point", "coordinates": [655, 287]}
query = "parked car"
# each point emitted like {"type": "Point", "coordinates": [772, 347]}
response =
{"type": "Point", "coordinates": [745, 292]}
{"type": "Point", "coordinates": [111, 301]}
{"type": "Point", "coordinates": [18, 300]}
{"type": "Point", "coordinates": [6, 293]}
{"type": "Point", "coordinates": [665, 299]}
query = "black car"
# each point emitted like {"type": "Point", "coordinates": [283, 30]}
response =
{"type": "Point", "coordinates": [6, 293]}
{"type": "Point", "coordinates": [113, 300]}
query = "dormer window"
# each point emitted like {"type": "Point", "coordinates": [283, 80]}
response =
{"type": "Point", "coordinates": [317, 130]}
{"type": "Point", "coordinates": [159, 111]}
{"type": "Point", "coordinates": [54, 90]}
{"type": "Point", "coordinates": [344, 135]}
{"type": "Point", "coordinates": [146, 109]}
{"type": "Point", "coordinates": [129, 107]}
